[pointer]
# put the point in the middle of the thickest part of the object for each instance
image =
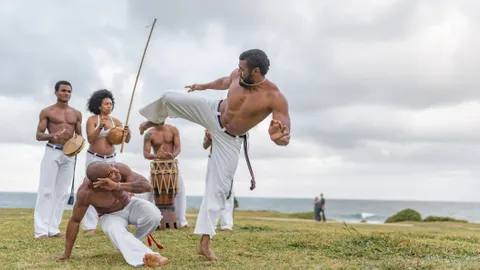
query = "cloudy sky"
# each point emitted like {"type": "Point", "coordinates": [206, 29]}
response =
{"type": "Point", "coordinates": [383, 94]}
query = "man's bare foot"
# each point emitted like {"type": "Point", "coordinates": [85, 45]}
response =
{"type": "Point", "coordinates": [152, 260]}
{"type": "Point", "coordinates": [59, 235]}
{"type": "Point", "coordinates": [43, 237]}
{"type": "Point", "coordinates": [225, 230]}
{"type": "Point", "coordinates": [91, 232]}
{"type": "Point", "coordinates": [206, 251]}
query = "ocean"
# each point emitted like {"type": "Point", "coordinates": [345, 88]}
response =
{"type": "Point", "coordinates": [373, 211]}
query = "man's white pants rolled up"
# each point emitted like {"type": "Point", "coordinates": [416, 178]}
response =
{"type": "Point", "coordinates": [180, 201]}
{"type": "Point", "coordinates": [56, 175]}
{"type": "Point", "coordinates": [90, 220]}
{"type": "Point", "coordinates": [145, 216]}
{"type": "Point", "coordinates": [223, 162]}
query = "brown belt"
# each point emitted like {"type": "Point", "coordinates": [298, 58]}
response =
{"type": "Point", "coordinates": [245, 148]}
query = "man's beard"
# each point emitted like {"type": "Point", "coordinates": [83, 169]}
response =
{"type": "Point", "coordinates": [247, 82]}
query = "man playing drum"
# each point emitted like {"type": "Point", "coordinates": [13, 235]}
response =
{"type": "Point", "coordinates": [165, 141]}
{"type": "Point", "coordinates": [107, 187]}
{"type": "Point", "coordinates": [56, 171]}
{"type": "Point", "coordinates": [99, 125]}
{"type": "Point", "coordinates": [251, 98]}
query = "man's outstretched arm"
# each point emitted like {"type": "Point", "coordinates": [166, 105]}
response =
{"type": "Point", "coordinates": [219, 84]}
{"type": "Point", "coordinates": [79, 210]}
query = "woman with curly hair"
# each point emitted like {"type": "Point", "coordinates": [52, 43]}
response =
{"type": "Point", "coordinates": [100, 104]}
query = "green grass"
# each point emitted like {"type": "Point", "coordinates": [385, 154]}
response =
{"type": "Point", "coordinates": [267, 214]}
{"type": "Point", "coordinates": [260, 244]}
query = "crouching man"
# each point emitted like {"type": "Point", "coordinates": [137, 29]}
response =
{"type": "Point", "coordinates": [107, 187]}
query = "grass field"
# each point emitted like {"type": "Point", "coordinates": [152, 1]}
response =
{"type": "Point", "coordinates": [257, 243]}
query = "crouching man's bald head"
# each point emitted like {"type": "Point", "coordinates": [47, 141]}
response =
{"type": "Point", "coordinates": [99, 169]}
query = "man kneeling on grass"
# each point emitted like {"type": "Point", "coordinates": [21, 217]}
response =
{"type": "Point", "coordinates": [107, 187]}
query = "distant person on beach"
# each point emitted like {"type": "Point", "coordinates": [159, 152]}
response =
{"type": "Point", "coordinates": [56, 169]}
{"type": "Point", "coordinates": [226, 217]}
{"type": "Point", "coordinates": [108, 187]}
{"type": "Point", "coordinates": [319, 208]}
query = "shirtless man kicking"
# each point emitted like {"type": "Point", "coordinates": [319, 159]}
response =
{"type": "Point", "coordinates": [251, 98]}
{"type": "Point", "coordinates": [56, 169]}
{"type": "Point", "coordinates": [107, 187]}
{"type": "Point", "coordinates": [165, 141]}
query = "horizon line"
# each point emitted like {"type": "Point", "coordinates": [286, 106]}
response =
{"type": "Point", "coordinates": [311, 198]}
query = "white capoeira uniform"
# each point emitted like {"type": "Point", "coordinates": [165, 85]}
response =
{"type": "Point", "coordinates": [226, 219]}
{"type": "Point", "coordinates": [56, 175]}
{"type": "Point", "coordinates": [145, 216]}
{"type": "Point", "coordinates": [180, 201]}
{"type": "Point", "coordinates": [223, 163]}
{"type": "Point", "coordinates": [90, 220]}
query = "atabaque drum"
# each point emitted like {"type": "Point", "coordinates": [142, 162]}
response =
{"type": "Point", "coordinates": [74, 145]}
{"type": "Point", "coordinates": [115, 135]}
{"type": "Point", "coordinates": [164, 181]}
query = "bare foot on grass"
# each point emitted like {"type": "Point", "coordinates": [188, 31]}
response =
{"type": "Point", "coordinates": [152, 260]}
{"type": "Point", "coordinates": [205, 249]}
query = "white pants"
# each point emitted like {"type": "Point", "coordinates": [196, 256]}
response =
{"type": "Point", "coordinates": [180, 201]}
{"type": "Point", "coordinates": [226, 219]}
{"type": "Point", "coordinates": [56, 175]}
{"type": "Point", "coordinates": [90, 220]}
{"type": "Point", "coordinates": [223, 162]}
{"type": "Point", "coordinates": [145, 216]}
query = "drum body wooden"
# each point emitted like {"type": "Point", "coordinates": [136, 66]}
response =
{"type": "Point", "coordinates": [164, 181]}
{"type": "Point", "coordinates": [115, 135]}
{"type": "Point", "coordinates": [74, 146]}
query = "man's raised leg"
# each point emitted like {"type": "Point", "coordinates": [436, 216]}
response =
{"type": "Point", "coordinates": [176, 104]}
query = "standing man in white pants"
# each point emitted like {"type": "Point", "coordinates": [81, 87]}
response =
{"type": "Point", "coordinates": [101, 104]}
{"type": "Point", "coordinates": [56, 171]}
{"type": "Point", "coordinates": [251, 98]}
{"type": "Point", "coordinates": [164, 140]}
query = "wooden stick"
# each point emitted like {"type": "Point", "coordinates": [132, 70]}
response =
{"type": "Point", "coordinates": [136, 80]}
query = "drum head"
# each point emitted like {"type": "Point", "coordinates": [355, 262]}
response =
{"type": "Point", "coordinates": [74, 145]}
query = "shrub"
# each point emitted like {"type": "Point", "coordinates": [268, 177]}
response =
{"type": "Point", "coordinates": [405, 215]}
{"type": "Point", "coordinates": [443, 219]}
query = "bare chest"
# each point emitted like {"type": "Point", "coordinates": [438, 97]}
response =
{"type": "Point", "coordinates": [246, 103]}
{"type": "Point", "coordinates": [163, 137]}
{"type": "Point", "coordinates": [57, 116]}
{"type": "Point", "coordinates": [105, 198]}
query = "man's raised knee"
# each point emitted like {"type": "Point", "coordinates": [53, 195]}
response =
{"type": "Point", "coordinates": [168, 95]}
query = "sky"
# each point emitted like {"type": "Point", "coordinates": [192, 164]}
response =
{"type": "Point", "coordinates": [382, 94]}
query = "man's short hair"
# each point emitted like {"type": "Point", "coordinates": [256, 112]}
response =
{"type": "Point", "coordinates": [256, 58]}
{"type": "Point", "coordinates": [57, 85]}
